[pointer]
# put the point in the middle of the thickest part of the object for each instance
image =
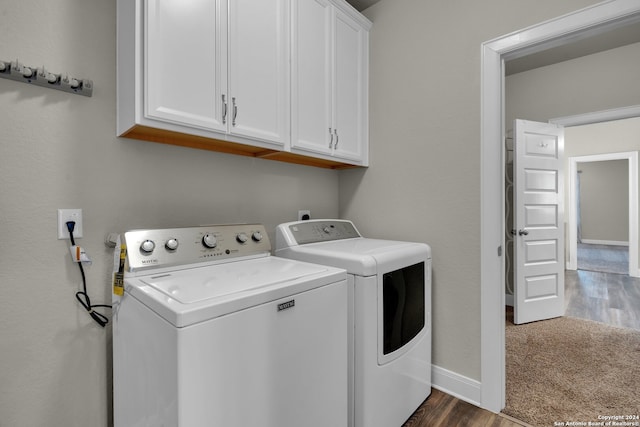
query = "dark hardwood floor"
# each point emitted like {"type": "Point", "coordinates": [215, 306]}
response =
{"type": "Point", "coordinates": [441, 409]}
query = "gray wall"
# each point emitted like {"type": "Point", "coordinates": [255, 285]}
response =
{"type": "Point", "coordinates": [604, 200]}
{"type": "Point", "coordinates": [424, 179]}
{"type": "Point", "coordinates": [592, 83]}
{"type": "Point", "coordinates": [59, 150]}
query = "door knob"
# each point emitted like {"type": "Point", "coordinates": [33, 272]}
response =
{"type": "Point", "coordinates": [523, 232]}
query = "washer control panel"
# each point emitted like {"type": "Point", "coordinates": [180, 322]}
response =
{"type": "Point", "coordinates": [177, 246]}
{"type": "Point", "coordinates": [314, 231]}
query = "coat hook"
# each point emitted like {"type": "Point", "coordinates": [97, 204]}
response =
{"type": "Point", "coordinates": [41, 77]}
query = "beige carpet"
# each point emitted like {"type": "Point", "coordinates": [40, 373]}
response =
{"type": "Point", "coordinates": [571, 370]}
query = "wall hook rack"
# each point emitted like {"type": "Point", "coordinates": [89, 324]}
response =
{"type": "Point", "coordinates": [42, 77]}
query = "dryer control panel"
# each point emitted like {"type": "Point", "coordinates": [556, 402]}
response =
{"type": "Point", "coordinates": [180, 246]}
{"type": "Point", "coordinates": [320, 230]}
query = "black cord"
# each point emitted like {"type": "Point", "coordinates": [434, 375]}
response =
{"type": "Point", "coordinates": [83, 296]}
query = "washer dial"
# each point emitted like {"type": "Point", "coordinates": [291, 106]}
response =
{"type": "Point", "coordinates": [147, 246]}
{"type": "Point", "coordinates": [171, 244]}
{"type": "Point", "coordinates": [242, 238]}
{"type": "Point", "coordinates": [209, 241]}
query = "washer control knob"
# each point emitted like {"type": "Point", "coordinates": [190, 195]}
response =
{"type": "Point", "coordinates": [256, 236]}
{"type": "Point", "coordinates": [171, 244]}
{"type": "Point", "coordinates": [326, 229]}
{"type": "Point", "coordinates": [242, 238]}
{"type": "Point", "coordinates": [209, 241]}
{"type": "Point", "coordinates": [147, 246]}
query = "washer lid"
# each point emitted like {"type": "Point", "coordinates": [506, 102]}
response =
{"type": "Point", "coordinates": [189, 296]}
{"type": "Point", "coordinates": [360, 256]}
{"type": "Point", "coordinates": [191, 286]}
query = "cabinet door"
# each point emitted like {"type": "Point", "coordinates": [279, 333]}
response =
{"type": "Point", "coordinates": [259, 69]}
{"type": "Point", "coordinates": [311, 76]}
{"type": "Point", "coordinates": [349, 88]}
{"type": "Point", "coordinates": [185, 62]}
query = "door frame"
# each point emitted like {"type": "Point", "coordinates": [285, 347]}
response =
{"type": "Point", "coordinates": [555, 32]}
{"type": "Point", "coordinates": [632, 157]}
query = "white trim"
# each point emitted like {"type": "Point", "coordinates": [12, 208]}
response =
{"type": "Point", "coordinates": [599, 17]}
{"type": "Point", "coordinates": [598, 116]}
{"type": "Point", "coordinates": [605, 242]}
{"type": "Point", "coordinates": [456, 385]}
{"type": "Point", "coordinates": [634, 239]}
{"type": "Point", "coordinates": [492, 274]}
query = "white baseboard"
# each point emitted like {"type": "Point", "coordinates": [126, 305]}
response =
{"type": "Point", "coordinates": [605, 242]}
{"type": "Point", "coordinates": [456, 385]}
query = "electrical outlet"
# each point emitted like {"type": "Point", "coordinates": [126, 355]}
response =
{"type": "Point", "coordinates": [65, 215]}
{"type": "Point", "coordinates": [304, 215]}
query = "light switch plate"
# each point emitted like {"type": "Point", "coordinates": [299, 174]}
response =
{"type": "Point", "coordinates": [65, 215]}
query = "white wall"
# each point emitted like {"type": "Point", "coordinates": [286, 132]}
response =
{"type": "Point", "coordinates": [424, 179]}
{"type": "Point", "coordinates": [59, 150]}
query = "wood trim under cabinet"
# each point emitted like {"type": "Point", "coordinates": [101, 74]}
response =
{"type": "Point", "coordinates": [162, 136]}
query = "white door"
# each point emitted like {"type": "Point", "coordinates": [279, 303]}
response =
{"type": "Point", "coordinates": [538, 221]}
{"type": "Point", "coordinates": [259, 69]}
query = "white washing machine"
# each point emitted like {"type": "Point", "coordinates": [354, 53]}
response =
{"type": "Point", "coordinates": [212, 331]}
{"type": "Point", "coordinates": [389, 315]}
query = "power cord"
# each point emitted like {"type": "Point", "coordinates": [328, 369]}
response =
{"type": "Point", "coordinates": [83, 296]}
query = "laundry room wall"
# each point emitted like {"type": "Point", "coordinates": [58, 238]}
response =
{"type": "Point", "coordinates": [424, 180]}
{"type": "Point", "coordinates": [59, 150]}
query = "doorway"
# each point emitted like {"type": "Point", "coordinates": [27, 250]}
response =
{"type": "Point", "coordinates": [633, 239]}
{"type": "Point", "coordinates": [585, 22]}
{"type": "Point", "coordinates": [602, 216]}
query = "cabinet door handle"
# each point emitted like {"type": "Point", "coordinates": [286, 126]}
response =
{"type": "Point", "coordinates": [224, 109]}
{"type": "Point", "coordinates": [235, 111]}
{"type": "Point", "coordinates": [335, 146]}
{"type": "Point", "coordinates": [331, 140]}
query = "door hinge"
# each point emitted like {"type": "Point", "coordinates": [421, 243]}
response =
{"type": "Point", "coordinates": [500, 250]}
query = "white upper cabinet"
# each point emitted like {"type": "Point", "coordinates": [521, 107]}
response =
{"type": "Point", "coordinates": [185, 67]}
{"type": "Point", "coordinates": [329, 81]}
{"type": "Point", "coordinates": [206, 65]}
{"type": "Point", "coordinates": [259, 69]}
{"type": "Point", "coordinates": [311, 76]}
{"type": "Point", "coordinates": [350, 112]}
{"type": "Point", "coordinates": [280, 79]}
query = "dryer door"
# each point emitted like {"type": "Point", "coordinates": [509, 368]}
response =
{"type": "Point", "coordinates": [403, 309]}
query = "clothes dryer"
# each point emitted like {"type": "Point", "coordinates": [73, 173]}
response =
{"type": "Point", "coordinates": [389, 314]}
